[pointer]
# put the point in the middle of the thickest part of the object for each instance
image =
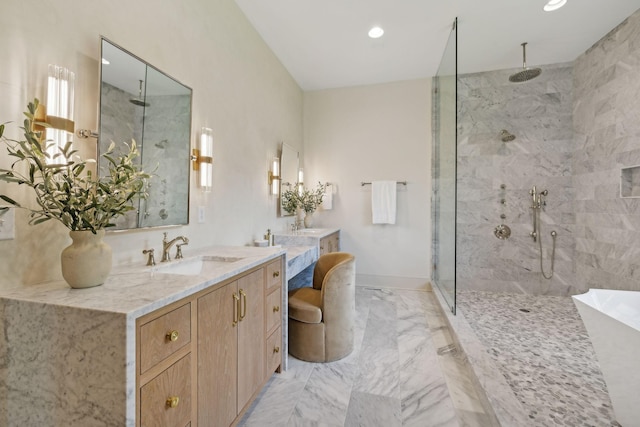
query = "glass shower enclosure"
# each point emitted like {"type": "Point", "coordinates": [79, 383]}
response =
{"type": "Point", "coordinates": [444, 156]}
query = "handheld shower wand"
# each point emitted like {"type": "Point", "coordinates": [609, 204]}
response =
{"type": "Point", "coordinates": [538, 203]}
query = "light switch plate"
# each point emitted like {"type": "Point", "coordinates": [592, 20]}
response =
{"type": "Point", "coordinates": [8, 224]}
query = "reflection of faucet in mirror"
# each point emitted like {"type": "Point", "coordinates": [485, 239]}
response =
{"type": "Point", "coordinates": [166, 246]}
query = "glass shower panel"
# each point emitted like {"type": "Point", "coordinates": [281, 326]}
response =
{"type": "Point", "coordinates": [444, 172]}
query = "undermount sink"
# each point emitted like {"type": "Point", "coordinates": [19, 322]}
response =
{"type": "Point", "coordinates": [195, 266]}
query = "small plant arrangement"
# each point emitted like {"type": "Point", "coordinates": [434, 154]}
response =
{"type": "Point", "coordinates": [311, 199]}
{"type": "Point", "coordinates": [307, 200]}
{"type": "Point", "coordinates": [67, 191]}
{"type": "Point", "coordinates": [291, 199]}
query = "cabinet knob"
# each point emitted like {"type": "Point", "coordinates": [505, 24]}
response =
{"type": "Point", "coordinates": [276, 349]}
{"type": "Point", "coordinates": [172, 336]}
{"type": "Point", "coordinates": [276, 273]}
{"type": "Point", "coordinates": [173, 401]}
{"type": "Point", "coordinates": [276, 308]}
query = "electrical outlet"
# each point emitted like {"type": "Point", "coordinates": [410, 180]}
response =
{"type": "Point", "coordinates": [201, 214]}
{"type": "Point", "coordinates": [8, 224]}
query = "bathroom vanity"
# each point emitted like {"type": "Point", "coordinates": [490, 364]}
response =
{"type": "Point", "coordinates": [325, 239]}
{"type": "Point", "coordinates": [185, 343]}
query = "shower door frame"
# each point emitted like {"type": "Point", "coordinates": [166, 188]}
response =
{"type": "Point", "coordinates": [443, 271]}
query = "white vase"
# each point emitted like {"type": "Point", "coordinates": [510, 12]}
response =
{"type": "Point", "coordinates": [87, 261]}
{"type": "Point", "coordinates": [308, 220]}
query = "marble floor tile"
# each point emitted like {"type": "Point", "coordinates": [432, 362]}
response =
{"type": "Point", "coordinates": [325, 397]}
{"type": "Point", "coordinates": [367, 410]}
{"type": "Point", "coordinates": [393, 377]}
{"type": "Point", "coordinates": [425, 400]}
{"type": "Point", "coordinates": [417, 353]}
{"type": "Point", "coordinates": [379, 371]}
{"type": "Point", "coordinates": [275, 404]}
{"type": "Point", "coordinates": [381, 326]}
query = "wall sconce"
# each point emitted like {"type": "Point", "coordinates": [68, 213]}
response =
{"type": "Point", "coordinates": [274, 176]}
{"type": "Point", "coordinates": [300, 181]}
{"type": "Point", "coordinates": [58, 112]}
{"type": "Point", "coordinates": [203, 159]}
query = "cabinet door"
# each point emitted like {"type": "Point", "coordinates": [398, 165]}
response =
{"type": "Point", "coordinates": [166, 400]}
{"type": "Point", "coordinates": [251, 339]}
{"type": "Point", "coordinates": [217, 357]}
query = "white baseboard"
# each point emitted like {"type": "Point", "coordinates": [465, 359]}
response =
{"type": "Point", "coordinates": [392, 282]}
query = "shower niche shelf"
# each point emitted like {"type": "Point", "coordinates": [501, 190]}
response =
{"type": "Point", "coordinates": [630, 182]}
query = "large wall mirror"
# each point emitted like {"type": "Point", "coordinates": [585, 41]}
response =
{"type": "Point", "coordinates": [139, 102]}
{"type": "Point", "coordinates": [289, 164]}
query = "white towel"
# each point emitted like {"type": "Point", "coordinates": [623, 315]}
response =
{"type": "Point", "coordinates": [383, 202]}
{"type": "Point", "coordinates": [327, 200]}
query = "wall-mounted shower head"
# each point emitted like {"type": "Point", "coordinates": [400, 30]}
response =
{"type": "Point", "coordinates": [139, 101]}
{"type": "Point", "coordinates": [506, 136]}
{"type": "Point", "coordinates": [526, 73]}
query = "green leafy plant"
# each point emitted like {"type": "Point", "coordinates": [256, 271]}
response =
{"type": "Point", "coordinates": [291, 200]}
{"type": "Point", "coordinates": [308, 200]}
{"type": "Point", "coordinates": [67, 191]}
{"type": "Point", "coordinates": [311, 199]}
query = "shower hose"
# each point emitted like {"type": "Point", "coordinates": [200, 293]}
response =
{"type": "Point", "coordinates": [553, 250]}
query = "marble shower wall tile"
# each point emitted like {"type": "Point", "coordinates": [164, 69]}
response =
{"type": "Point", "coordinates": [605, 115]}
{"type": "Point", "coordinates": [538, 113]}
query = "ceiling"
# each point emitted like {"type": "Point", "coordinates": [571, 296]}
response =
{"type": "Point", "coordinates": [324, 44]}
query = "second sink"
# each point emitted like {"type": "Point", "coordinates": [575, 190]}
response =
{"type": "Point", "coordinates": [195, 266]}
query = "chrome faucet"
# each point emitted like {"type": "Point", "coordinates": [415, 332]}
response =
{"type": "Point", "coordinates": [166, 245]}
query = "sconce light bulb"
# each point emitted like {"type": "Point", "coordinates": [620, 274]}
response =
{"type": "Point", "coordinates": [275, 176]}
{"type": "Point", "coordinates": [206, 159]}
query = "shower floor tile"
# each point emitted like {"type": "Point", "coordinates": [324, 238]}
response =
{"type": "Point", "coordinates": [543, 350]}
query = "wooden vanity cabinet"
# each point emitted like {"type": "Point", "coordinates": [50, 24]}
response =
{"type": "Point", "coordinates": [231, 348]}
{"type": "Point", "coordinates": [166, 366]}
{"type": "Point", "coordinates": [330, 243]}
{"type": "Point", "coordinates": [227, 346]}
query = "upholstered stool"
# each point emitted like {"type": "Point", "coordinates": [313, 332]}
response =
{"type": "Point", "coordinates": [322, 317]}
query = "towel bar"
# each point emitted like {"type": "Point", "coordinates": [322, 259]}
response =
{"type": "Point", "coordinates": [368, 183]}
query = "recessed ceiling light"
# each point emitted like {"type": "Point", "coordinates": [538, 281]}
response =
{"type": "Point", "coordinates": [105, 62]}
{"type": "Point", "coordinates": [554, 5]}
{"type": "Point", "coordinates": [377, 32]}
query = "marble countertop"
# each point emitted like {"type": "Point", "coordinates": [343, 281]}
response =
{"type": "Point", "coordinates": [317, 233]}
{"type": "Point", "coordinates": [138, 290]}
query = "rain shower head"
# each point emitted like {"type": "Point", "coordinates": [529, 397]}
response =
{"type": "Point", "coordinates": [139, 101]}
{"type": "Point", "coordinates": [526, 73]}
{"type": "Point", "coordinates": [506, 136]}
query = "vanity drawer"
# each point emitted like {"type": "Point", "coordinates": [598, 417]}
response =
{"type": "Point", "coordinates": [274, 274]}
{"type": "Point", "coordinates": [166, 400]}
{"type": "Point", "coordinates": [274, 351]}
{"type": "Point", "coordinates": [163, 336]}
{"type": "Point", "coordinates": [273, 310]}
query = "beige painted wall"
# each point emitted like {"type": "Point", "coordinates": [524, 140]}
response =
{"type": "Point", "coordinates": [240, 90]}
{"type": "Point", "coordinates": [367, 133]}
